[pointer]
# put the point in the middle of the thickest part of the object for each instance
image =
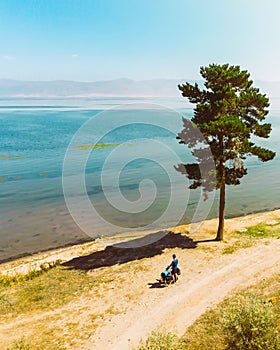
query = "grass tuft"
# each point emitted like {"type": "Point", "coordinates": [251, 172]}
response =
{"type": "Point", "coordinates": [160, 341]}
{"type": "Point", "coordinates": [20, 345]}
{"type": "Point", "coordinates": [247, 238]}
{"type": "Point", "coordinates": [263, 231]}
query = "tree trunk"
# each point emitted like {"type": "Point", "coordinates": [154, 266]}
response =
{"type": "Point", "coordinates": [220, 232]}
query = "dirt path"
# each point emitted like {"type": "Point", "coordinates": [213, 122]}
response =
{"type": "Point", "coordinates": [132, 308]}
{"type": "Point", "coordinates": [177, 306]}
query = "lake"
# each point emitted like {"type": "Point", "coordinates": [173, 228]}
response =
{"type": "Point", "coordinates": [58, 189]}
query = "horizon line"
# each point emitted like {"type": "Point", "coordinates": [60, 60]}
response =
{"type": "Point", "coordinates": [117, 79]}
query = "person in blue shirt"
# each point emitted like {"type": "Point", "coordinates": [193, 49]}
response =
{"type": "Point", "coordinates": [174, 267]}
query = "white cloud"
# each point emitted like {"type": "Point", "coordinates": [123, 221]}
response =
{"type": "Point", "coordinates": [8, 58]}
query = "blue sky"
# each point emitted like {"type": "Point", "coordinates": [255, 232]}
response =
{"type": "Point", "coordinates": [91, 40]}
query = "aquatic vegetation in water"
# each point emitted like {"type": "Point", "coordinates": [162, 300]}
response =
{"type": "Point", "coordinates": [17, 177]}
{"type": "Point", "coordinates": [3, 178]}
{"type": "Point", "coordinates": [10, 157]}
{"type": "Point", "coordinates": [94, 146]}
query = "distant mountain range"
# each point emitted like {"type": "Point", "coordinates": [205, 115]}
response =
{"type": "Point", "coordinates": [65, 88]}
{"type": "Point", "coordinates": [110, 88]}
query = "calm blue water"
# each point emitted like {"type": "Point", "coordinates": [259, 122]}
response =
{"type": "Point", "coordinates": [33, 211]}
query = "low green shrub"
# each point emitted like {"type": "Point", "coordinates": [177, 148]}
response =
{"type": "Point", "coordinates": [249, 324]}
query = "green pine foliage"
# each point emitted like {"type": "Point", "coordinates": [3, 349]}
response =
{"type": "Point", "coordinates": [228, 112]}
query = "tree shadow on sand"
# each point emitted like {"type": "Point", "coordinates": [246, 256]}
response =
{"type": "Point", "coordinates": [206, 241]}
{"type": "Point", "coordinates": [132, 250]}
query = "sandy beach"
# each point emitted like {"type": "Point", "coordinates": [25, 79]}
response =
{"type": "Point", "coordinates": [202, 230]}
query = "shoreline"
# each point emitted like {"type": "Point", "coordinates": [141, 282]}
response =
{"type": "Point", "coordinates": [201, 230]}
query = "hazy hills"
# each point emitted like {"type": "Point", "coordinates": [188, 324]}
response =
{"type": "Point", "coordinates": [117, 87]}
{"type": "Point", "coordinates": [65, 88]}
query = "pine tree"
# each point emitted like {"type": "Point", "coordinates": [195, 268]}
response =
{"type": "Point", "coordinates": [228, 112]}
